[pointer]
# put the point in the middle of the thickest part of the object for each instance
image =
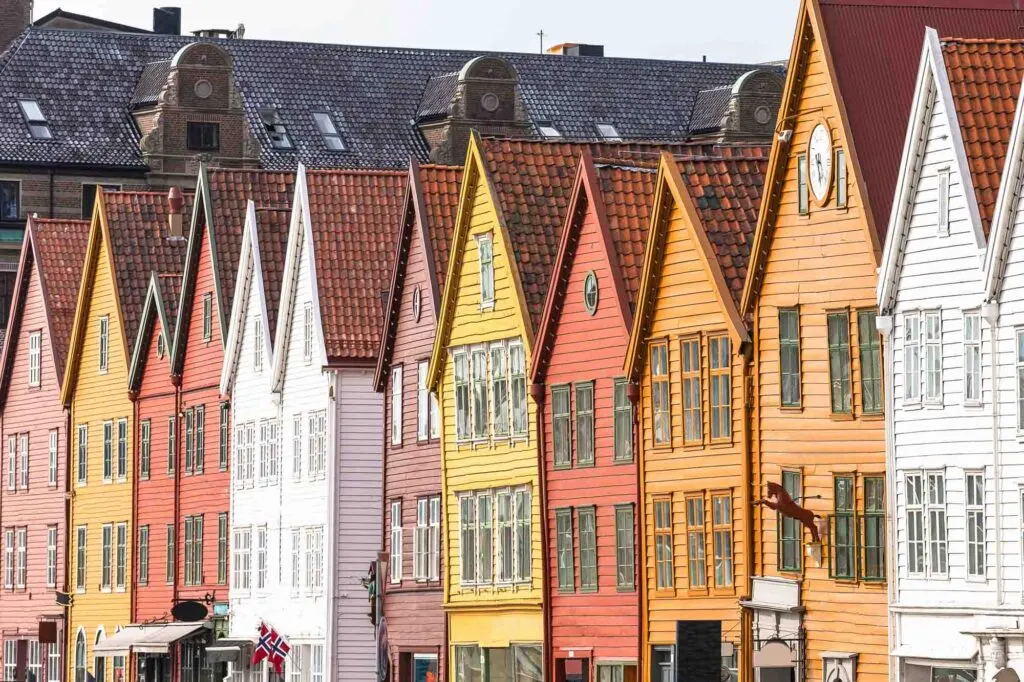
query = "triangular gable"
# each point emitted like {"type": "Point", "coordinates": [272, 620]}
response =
{"type": "Point", "coordinates": [586, 196]}
{"type": "Point", "coordinates": [475, 172]}
{"type": "Point", "coordinates": [153, 310]}
{"type": "Point", "coordinates": [809, 27]}
{"type": "Point", "coordinates": [21, 284]}
{"type": "Point", "coordinates": [671, 189]}
{"type": "Point", "coordinates": [250, 258]}
{"type": "Point", "coordinates": [932, 80]}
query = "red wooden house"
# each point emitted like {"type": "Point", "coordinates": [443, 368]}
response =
{"type": "Point", "coordinates": [589, 461]}
{"type": "Point", "coordinates": [33, 528]}
{"type": "Point", "coordinates": [412, 466]}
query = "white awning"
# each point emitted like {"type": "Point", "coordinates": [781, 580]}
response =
{"type": "Point", "coordinates": [146, 639]}
{"type": "Point", "coordinates": [118, 644]}
{"type": "Point", "coordinates": [941, 650]}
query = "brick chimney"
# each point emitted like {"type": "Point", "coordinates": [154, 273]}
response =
{"type": "Point", "coordinates": [15, 16]}
{"type": "Point", "coordinates": [175, 211]}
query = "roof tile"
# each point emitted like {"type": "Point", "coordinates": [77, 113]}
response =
{"type": "Point", "coordinates": [60, 254]}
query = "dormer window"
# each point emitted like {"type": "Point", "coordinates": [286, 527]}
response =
{"type": "Point", "coordinates": [547, 129]}
{"type": "Point", "coordinates": [329, 131]}
{"type": "Point", "coordinates": [275, 128]}
{"type": "Point", "coordinates": [606, 131]}
{"type": "Point", "coordinates": [38, 126]}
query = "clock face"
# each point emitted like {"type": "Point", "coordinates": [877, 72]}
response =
{"type": "Point", "coordinates": [819, 161]}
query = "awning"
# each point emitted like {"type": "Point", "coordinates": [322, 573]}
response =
{"type": "Point", "coordinates": [146, 639]}
{"type": "Point", "coordinates": [956, 650]}
{"type": "Point", "coordinates": [229, 651]}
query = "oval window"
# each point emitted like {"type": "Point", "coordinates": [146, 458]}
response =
{"type": "Point", "coordinates": [590, 292]}
{"type": "Point", "coordinates": [416, 304]}
{"type": "Point", "coordinates": [160, 346]}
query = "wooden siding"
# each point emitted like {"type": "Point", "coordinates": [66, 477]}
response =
{"type": "Point", "coordinates": [154, 498]}
{"type": "Point", "coordinates": [591, 348]}
{"type": "Point", "coordinates": [487, 465]}
{"type": "Point", "coordinates": [820, 262]}
{"type": "Point", "coordinates": [412, 470]}
{"type": "Point", "coordinates": [36, 411]}
{"type": "Point", "coordinates": [96, 398]}
{"type": "Point", "coordinates": [687, 306]}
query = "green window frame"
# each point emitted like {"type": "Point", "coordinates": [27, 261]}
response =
{"type": "Point", "coordinates": [790, 556]}
{"type": "Point", "coordinates": [172, 437]}
{"type": "Point", "coordinates": [869, 346]}
{"type": "Point", "coordinates": [844, 528]}
{"type": "Point", "coordinates": [222, 548]}
{"type": "Point", "coordinates": [564, 546]}
{"type": "Point", "coordinates": [790, 385]}
{"type": "Point", "coordinates": [625, 561]}
{"type": "Point", "coordinates": [585, 423]}
{"type": "Point", "coordinates": [874, 528]}
{"type": "Point", "coordinates": [623, 423]}
{"type": "Point", "coordinates": [144, 449]}
{"type": "Point", "coordinates": [841, 387]}
{"type": "Point", "coordinates": [587, 523]}
{"type": "Point", "coordinates": [143, 555]}
{"type": "Point", "coordinates": [225, 434]}
{"type": "Point", "coordinates": [561, 429]}
{"type": "Point", "coordinates": [663, 543]}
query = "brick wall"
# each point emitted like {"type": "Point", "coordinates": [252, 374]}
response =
{"type": "Point", "coordinates": [15, 15]}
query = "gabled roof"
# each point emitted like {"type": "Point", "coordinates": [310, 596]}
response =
{"type": "Point", "coordinates": [161, 305]}
{"type": "Point", "coordinates": [620, 197]}
{"type": "Point", "coordinates": [85, 82]}
{"type": "Point", "coordinates": [720, 196]}
{"type": "Point", "coordinates": [871, 51]}
{"type": "Point", "coordinates": [220, 211]}
{"type": "Point", "coordinates": [430, 207]}
{"type": "Point", "coordinates": [55, 249]}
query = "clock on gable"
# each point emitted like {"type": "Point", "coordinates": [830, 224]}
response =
{"type": "Point", "coordinates": [819, 162]}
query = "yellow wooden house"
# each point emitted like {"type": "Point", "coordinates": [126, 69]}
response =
{"type": "Point", "coordinates": [690, 352]}
{"type": "Point", "coordinates": [132, 234]}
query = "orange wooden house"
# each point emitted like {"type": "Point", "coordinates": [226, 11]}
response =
{"type": "Point", "coordinates": [689, 351]}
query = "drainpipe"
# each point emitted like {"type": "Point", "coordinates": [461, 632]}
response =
{"type": "Point", "coordinates": [640, 539]}
{"type": "Point", "coordinates": [746, 484]}
{"type": "Point", "coordinates": [537, 393]}
{"type": "Point", "coordinates": [990, 311]}
{"type": "Point", "coordinates": [884, 324]}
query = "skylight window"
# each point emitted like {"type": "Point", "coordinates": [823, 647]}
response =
{"type": "Point", "coordinates": [38, 126]}
{"type": "Point", "coordinates": [608, 132]}
{"type": "Point", "coordinates": [548, 129]}
{"type": "Point", "coordinates": [275, 128]}
{"type": "Point", "coordinates": [329, 131]}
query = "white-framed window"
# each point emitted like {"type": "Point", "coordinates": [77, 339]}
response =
{"type": "Point", "coordinates": [108, 451]}
{"type": "Point", "coordinates": [51, 556]}
{"type": "Point", "coordinates": [435, 416]}
{"type": "Point", "coordinates": [396, 541]}
{"type": "Point", "coordinates": [426, 542]}
{"type": "Point", "coordinates": [9, 560]}
{"type": "Point", "coordinates": [933, 356]}
{"type": "Point", "coordinates": [524, 539]}
{"type": "Point", "coordinates": [935, 508]}
{"type": "Point", "coordinates": [53, 669]}
{"type": "Point", "coordinates": [274, 443]}
{"type": "Point", "coordinates": [207, 316]}
{"type": "Point", "coordinates": [81, 552]}
{"type": "Point", "coordinates": [261, 557]}
{"type": "Point", "coordinates": [942, 202]}
{"type": "Point", "coordinates": [257, 345]}
{"type": "Point", "coordinates": [23, 442]}
{"type": "Point", "coordinates": [317, 425]}
{"type": "Point", "coordinates": [467, 539]}
{"type": "Point", "coordinates": [22, 576]}
{"type": "Point", "coordinates": [12, 462]}
{"type": "Point", "coordinates": [508, 512]}
{"type": "Point", "coordinates": [423, 426]}
{"type": "Point", "coordinates": [517, 385]}
{"type": "Point", "coordinates": [972, 358]}
{"type": "Point", "coordinates": [434, 539]}
{"type": "Point", "coordinates": [10, 659]}
{"type": "Point", "coordinates": [241, 559]}
{"type": "Point", "coordinates": [461, 377]}
{"type": "Point", "coordinates": [485, 537]}
{"type": "Point", "coordinates": [106, 552]}
{"type": "Point", "coordinates": [499, 391]}
{"type": "Point", "coordinates": [485, 248]}
{"type": "Point", "coordinates": [506, 536]}
{"type": "Point", "coordinates": [104, 341]}
{"type": "Point", "coordinates": [478, 381]}
{"type": "Point", "coordinates": [914, 492]}
{"type": "Point", "coordinates": [83, 453]}
{"type": "Point", "coordinates": [35, 661]}
{"type": "Point", "coordinates": [316, 663]}
{"type": "Point", "coordinates": [264, 448]}
{"type": "Point", "coordinates": [307, 332]}
{"type": "Point", "coordinates": [34, 346]}
{"type": "Point", "coordinates": [121, 565]}
{"type": "Point", "coordinates": [315, 559]}
{"type": "Point", "coordinates": [297, 446]}
{"type": "Point", "coordinates": [52, 459]}
{"type": "Point", "coordinates": [1020, 380]}
{"type": "Point", "coordinates": [912, 357]}
{"type": "Point", "coordinates": [974, 507]}
{"type": "Point", "coordinates": [397, 416]}
{"type": "Point", "coordinates": [296, 560]}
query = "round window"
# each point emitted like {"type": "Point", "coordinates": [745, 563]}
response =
{"type": "Point", "coordinates": [490, 102]}
{"type": "Point", "coordinates": [590, 292]}
{"type": "Point", "coordinates": [416, 304]}
{"type": "Point", "coordinates": [160, 346]}
{"type": "Point", "coordinates": [762, 114]}
{"type": "Point", "coordinates": [203, 88]}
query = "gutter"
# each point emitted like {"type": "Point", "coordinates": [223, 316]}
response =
{"type": "Point", "coordinates": [884, 324]}
{"type": "Point", "coordinates": [990, 311]}
{"type": "Point", "coordinates": [537, 393]}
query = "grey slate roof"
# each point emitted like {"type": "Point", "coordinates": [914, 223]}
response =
{"type": "Point", "coordinates": [438, 96]}
{"type": "Point", "coordinates": [709, 108]}
{"type": "Point", "coordinates": [86, 83]}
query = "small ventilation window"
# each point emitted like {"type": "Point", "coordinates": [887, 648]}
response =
{"type": "Point", "coordinates": [38, 126]}
{"type": "Point", "coordinates": [606, 131]}
{"type": "Point", "coordinates": [275, 128]}
{"type": "Point", "coordinates": [329, 131]}
{"type": "Point", "coordinates": [548, 129]}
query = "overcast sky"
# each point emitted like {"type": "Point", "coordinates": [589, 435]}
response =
{"type": "Point", "coordinates": [724, 30]}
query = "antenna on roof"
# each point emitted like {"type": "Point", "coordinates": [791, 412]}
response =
{"type": "Point", "coordinates": [540, 34]}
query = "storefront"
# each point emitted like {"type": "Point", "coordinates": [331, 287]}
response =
{"type": "Point", "coordinates": [777, 639]}
{"type": "Point", "coordinates": [164, 652]}
{"type": "Point", "coordinates": [497, 647]}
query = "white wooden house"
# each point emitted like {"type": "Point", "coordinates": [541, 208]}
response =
{"type": "Point", "coordinates": [954, 554]}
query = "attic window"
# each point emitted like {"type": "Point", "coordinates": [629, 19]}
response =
{"type": "Point", "coordinates": [38, 126]}
{"type": "Point", "coordinates": [548, 129]}
{"type": "Point", "coordinates": [276, 131]}
{"type": "Point", "coordinates": [606, 131]}
{"type": "Point", "coordinates": [329, 131]}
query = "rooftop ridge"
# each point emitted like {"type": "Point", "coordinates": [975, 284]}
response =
{"type": "Point", "coordinates": [980, 41]}
{"type": "Point", "coordinates": [896, 4]}
{"type": "Point", "coordinates": [355, 171]}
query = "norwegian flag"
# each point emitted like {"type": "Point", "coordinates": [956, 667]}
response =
{"type": "Point", "coordinates": [272, 647]}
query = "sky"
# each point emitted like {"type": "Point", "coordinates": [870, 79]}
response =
{"type": "Point", "coordinates": [721, 30]}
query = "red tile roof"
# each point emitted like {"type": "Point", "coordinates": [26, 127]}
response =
{"type": "Point", "coordinates": [628, 193]}
{"type": "Point", "coordinates": [985, 77]}
{"type": "Point", "coordinates": [139, 246]}
{"type": "Point", "coordinates": [726, 190]}
{"type": "Point", "coordinates": [59, 249]}
{"type": "Point", "coordinates": [272, 233]}
{"type": "Point", "coordinates": [876, 48]}
{"type": "Point", "coordinates": [170, 292]}
{"type": "Point", "coordinates": [440, 194]}
{"type": "Point", "coordinates": [355, 218]}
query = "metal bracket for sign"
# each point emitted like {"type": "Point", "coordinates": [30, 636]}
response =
{"type": "Point", "coordinates": [207, 599]}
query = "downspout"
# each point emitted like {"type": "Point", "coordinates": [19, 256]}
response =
{"type": "Point", "coordinates": [333, 487]}
{"type": "Point", "coordinates": [747, 486]}
{"type": "Point", "coordinates": [991, 313]}
{"type": "Point", "coordinates": [633, 394]}
{"type": "Point", "coordinates": [537, 393]}
{"type": "Point", "coordinates": [884, 325]}
{"type": "Point", "coordinates": [132, 599]}
{"type": "Point", "coordinates": [178, 464]}
{"type": "Point", "coordinates": [66, 583]}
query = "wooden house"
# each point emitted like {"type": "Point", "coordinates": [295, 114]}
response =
{"type": "Point", "coordinates": [132, 235]}
{"type": "Point", "coordinates": [689, 352]}
{"type": "Point", "coordinates": [33, 473]}
{"type": "Point", "coordinates": [589, 453]}
{"type": "Point", "coordinates": [820, 413]}
{"type": "Point", "coordinates": [412, 426]}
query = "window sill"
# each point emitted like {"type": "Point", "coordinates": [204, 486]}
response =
{"type": "Point", "coordinates": [841, 416]}
{"type": "Point", "coordinates": [793, 409]}
{"type": "Point", "coordinates": [588, 590]}
{"type": "Point", "coordinates": [872, 416]}
{"type": "Point", "coordinates": [697, 592]}
{"type": "Point", "coordinates": [566, 590]}
{"type": "Point", "coordinates": [623, 589]}
{"type": "Point", "coordinates": [665, 592]}
{"type": "Point", "coordinates": [622, 461]}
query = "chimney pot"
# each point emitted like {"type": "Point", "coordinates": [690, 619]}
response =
{"type": "Point", "coordinates": [175, 206]}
